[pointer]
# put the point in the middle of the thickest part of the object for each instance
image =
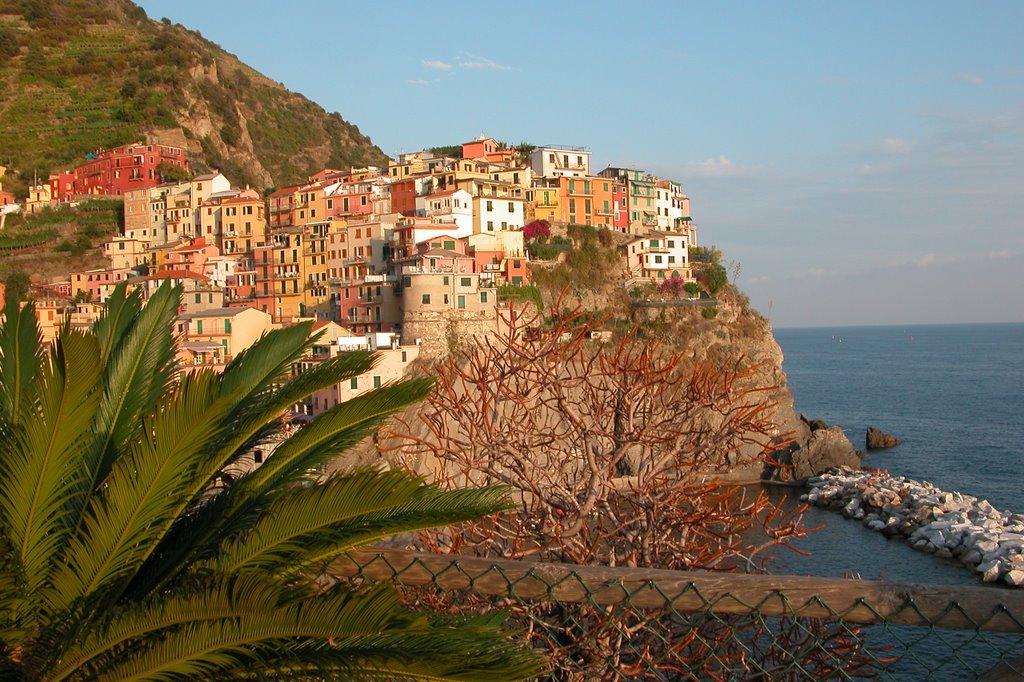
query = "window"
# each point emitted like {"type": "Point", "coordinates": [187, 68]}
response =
{"type": "Point", "coordinates": [444, 280]}
{"type": "Point", "coordinates": [199, 298]}
{"type": "Point", "coordinates": [462, 303]}
{"type": "Point", "coordinates": [511, 207]}
{"type": "Point", "coordinates": [426, 299]}
{"type": "Point", "coordinates": [376, 382]}
{"type": "Point", "coordinates": [449, 245]}
{"type": "Point", "coordinates": [517, 263]}
{"type": "Point", "coordinates": [490, 205]}
{"type": "Point", "coordinates": [403, 356]}
{"type": "Point", "coordinates": [353, 383]}
{"type": "Point", "coordinates": [199, 326]}
{"type": "Point", "coordinates": [490, 225]}
{"type": "Point", "coordinates": [446, 299]}
{"type": "Point", "coordinates": [483, 297]}
{"type": "Point", "coordinates": [466, 282]}
{"type": "Point", "coordinates": [227, 326]}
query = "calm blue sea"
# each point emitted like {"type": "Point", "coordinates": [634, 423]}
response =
{"type": "Point", "coordinates": [954, 394]}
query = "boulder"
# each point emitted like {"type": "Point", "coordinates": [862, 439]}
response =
{"type": "Point", "coordinates": [879, 440]}
{"type": "Point", "coordinates": [827, 447]}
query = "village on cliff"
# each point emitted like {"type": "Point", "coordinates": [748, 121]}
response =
{"type": "Point", "coordinates": [390, 259]}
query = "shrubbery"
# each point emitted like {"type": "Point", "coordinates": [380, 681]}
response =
{"type": "Point", "coordinates": [538, 230]}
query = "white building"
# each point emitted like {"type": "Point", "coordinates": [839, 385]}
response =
{"type": "Point", "coordinates": [554, 161]}
{"type": "Point", "coordinates": [452, 207]}
{"type": "Point", "coordinates": [658, 255]}
{"type": "Point", "coordinates": [492, 213]}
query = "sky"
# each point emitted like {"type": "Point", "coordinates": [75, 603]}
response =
{"type": "Point", "coordinates": [857, 162]}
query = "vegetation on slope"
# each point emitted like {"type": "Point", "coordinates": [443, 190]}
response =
{"type": "Point", "coordinates": [57, 241]}
{"type": "Point", "coordinates": [85, 74]}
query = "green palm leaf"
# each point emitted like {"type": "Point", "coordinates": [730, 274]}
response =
{"type": "Point", "coordinates": [119, 560]}
{"type": "Point", "coordinates": [20, 357]}
{"type": "Point", "coordinates": [147, 489]}
{"type": "Point", "coordinates": [140, 366]}
{"type": "Point", "coordinates": [310, 525]}
{"type": "Point", "coordinates": [45, 481]}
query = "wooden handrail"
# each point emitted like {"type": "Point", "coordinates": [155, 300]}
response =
{"type": "Point", "coordinates": [860, 601]}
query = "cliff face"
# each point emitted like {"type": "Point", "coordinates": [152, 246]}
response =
{"type": "Point", "coordinates": [737, 331]}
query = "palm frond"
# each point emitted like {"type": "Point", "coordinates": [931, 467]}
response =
{"type": "Point", "coordinates": [331, 433]}
{"type": "Point", "coordinates": [147, 489]}
{"type": "Point", "coordinates": [250, 420]}
{"type": "Point", "coordinates": [309, 525]}
{"type": "Point", "coordinates": [256, 368]}
{"type": "Point", "coordinates": [21, 354]}
{"type": "Point", "coordinates": [255, 418]}
{"type": "Point", "coordinates": [235, 508]}
{"type": "Point", "coordinates": [122, 308]}
{"type": "Point", "coordinates": [43, 471]}
{"type": "Point", "coordinates": [139, 369]}
{"type": "Point", "coordinates": [231, 625]}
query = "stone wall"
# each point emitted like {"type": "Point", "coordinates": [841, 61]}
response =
{"type": "Point", "coordinates": [439, 332]}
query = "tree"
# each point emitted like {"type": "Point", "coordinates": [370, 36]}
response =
{"type": "Point", "coordinates": [9, 46]}
{"type": "Point", "coordinates": [713, 276]}
{"type": "Point", "coordinates": [16, 286]}
{"type": "Point", "coordinates": [130, 553]}
{"type": "Point", "coordinates": [614, 451]}
{"type": "Point", "coordinates": [172, 173]}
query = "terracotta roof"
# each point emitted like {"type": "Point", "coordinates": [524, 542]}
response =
{"type": "Point", "coordinates": [216, 312]}
{"type": "Point", "coordinates": [446, 253]}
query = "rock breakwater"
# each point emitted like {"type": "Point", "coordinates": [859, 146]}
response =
{"type": "Point", "coordinates": [949, 525]}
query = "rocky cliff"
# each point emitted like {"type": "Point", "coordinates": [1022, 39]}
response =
{"type": "Point", "coordinates": [736, 330]}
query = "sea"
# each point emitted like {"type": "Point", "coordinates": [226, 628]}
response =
{"type": "Point", "coordinates": [954, 396]}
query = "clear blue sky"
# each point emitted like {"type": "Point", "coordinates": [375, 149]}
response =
{"type": "Point", "coordinates": [861, 162]}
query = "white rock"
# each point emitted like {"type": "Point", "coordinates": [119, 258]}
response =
{"type": "Point", "coordinates": [1014, 577]}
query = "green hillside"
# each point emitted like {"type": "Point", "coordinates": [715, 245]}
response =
{"type": "Point", "coordinates": [76, 75]}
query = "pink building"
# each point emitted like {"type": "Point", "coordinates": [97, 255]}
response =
{"type": "Point", "coordinates": [98, 284]}
{"type": "Point", "coordinates": [191, 257]}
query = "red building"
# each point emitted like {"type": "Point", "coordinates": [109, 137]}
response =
{"type": "Point", "coordinates": [112, 172]}
{"type": "Point", "coordinates": [619, 199]}
{"type": "Point", "coordinates": [403, 197]}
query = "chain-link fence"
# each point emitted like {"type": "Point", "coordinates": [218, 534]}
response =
{"type": "Point", "coordinates": [600, 623]}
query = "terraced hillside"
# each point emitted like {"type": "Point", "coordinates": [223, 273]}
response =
{"type": "Point", "coordinates": [76, 75]}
